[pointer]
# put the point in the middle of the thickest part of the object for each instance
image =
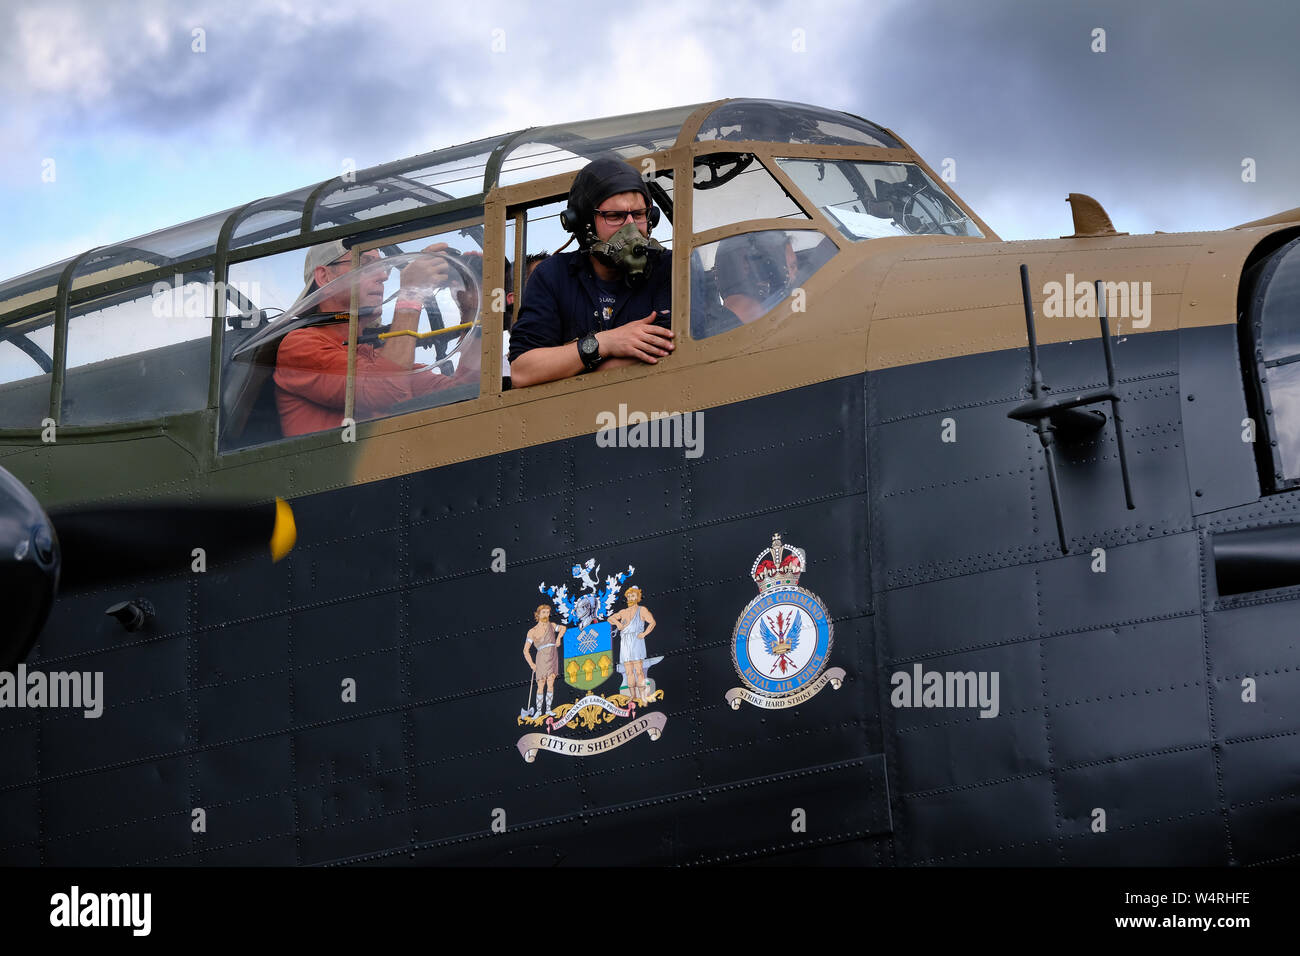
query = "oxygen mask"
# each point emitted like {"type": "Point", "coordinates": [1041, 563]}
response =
{"type": "Point", "coordinates": [627, 251]}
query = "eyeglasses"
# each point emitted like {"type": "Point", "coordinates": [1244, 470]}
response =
{"type": "Point", "coordinates": [618, 216]}
{"type": "Point", "coordinates": [370, 260]}
{"type": "Point", "coordinates": [347, 260]}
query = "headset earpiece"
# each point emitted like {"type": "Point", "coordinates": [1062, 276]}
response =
{"type": "Point", "coordinates": [570, 219]}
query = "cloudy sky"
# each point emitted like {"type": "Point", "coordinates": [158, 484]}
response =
{"type": "Point", "coordinates": [115, 123]}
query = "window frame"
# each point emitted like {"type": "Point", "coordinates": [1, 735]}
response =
{"type": "Point", "coordinates": [510, 202]}
{"type": "Point", "coordinates": [1256, 368]}
{"type": "Point", "coordinates": [132, 292]}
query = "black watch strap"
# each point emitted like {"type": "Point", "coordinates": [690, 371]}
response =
{"type": "Point", "coordinates": [589, 351]}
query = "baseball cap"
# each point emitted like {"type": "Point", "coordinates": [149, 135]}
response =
{"type": "Point", "coordinates": [319, 255]}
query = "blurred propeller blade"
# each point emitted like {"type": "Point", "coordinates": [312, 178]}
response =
{"type": "Point", "coordinates": [103, 545]}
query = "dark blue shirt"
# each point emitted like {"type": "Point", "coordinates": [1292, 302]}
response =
{"type": "Point", "coordinates": [562, 301]}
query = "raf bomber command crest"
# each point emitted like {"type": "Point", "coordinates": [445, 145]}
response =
{"type": "Point", "coordinates": [783, 638]}
{"type": "Point", "coordinates": [600, 655]}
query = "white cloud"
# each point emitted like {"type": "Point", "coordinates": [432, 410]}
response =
{"type": "Point", "coordinates": [59, 53]}
{"type": "Point", "coordinates": [157, 33]}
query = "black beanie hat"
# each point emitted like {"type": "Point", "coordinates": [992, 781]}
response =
{"type": "Point", "coordinates": [600, 179]}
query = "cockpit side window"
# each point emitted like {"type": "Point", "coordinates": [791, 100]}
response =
{"type": "Point", "coordinates": [285, 354]}
{"type": "Point", "coordinates": [742, 278]}
{"type": "Point", "coordinates": [140, 353]}
{"type": "Point", "coordinates": [26, 350]}
{"type": "Point", "coordinates": [733, 187]}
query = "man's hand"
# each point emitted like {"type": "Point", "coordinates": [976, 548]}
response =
{"type": "Point", "coordinates": [471, 353]}
{"type": "Point", "coordinates": [641, 340]}
{"type": "Point", "coordinates": [429, 273]}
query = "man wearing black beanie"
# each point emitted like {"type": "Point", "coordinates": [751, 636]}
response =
{"type": "Point", "coordinates": [607, 304]}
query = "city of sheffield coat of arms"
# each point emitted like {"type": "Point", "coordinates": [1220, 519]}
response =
{"type": "Point", "coordinates": [581, 642]}
{"type": "Point", "coordinates": [782, 640]}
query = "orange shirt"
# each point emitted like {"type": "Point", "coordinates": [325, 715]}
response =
{"type": "Point", "coordinates": [311, 376]}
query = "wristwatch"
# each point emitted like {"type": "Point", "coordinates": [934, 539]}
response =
{"type": "Point", "coordinates": [589, 351]}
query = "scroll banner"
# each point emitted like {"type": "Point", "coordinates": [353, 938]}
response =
{"type": "Point", "coordinates": [531, 744]}
{"type": "Point", "coordinates": [592, 700]}
{"type": "Point", "coordinates": [833, 676]}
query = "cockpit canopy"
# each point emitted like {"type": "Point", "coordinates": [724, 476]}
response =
{"type": "Point", "coordinates": [447, 175]}
{"type": "Point", "coordinates": [136, 318]}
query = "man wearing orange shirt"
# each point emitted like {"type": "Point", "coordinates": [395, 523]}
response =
{"type": "Point", "coordinates": [312, 362]}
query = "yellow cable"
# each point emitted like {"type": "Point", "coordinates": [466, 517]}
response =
{"type": "Point", "coordinates": [426, 335]}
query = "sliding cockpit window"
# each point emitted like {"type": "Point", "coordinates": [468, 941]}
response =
{"type": "Point", "coordinates": [285, 354]}
{"type": "Point", "coordinates": [742, 278]}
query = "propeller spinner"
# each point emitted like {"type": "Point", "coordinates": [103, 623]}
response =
{"type": "Point", "coordinates": [29, 569]}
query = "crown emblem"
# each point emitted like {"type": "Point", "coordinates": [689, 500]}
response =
{"type": "Point", "coordinates": [778, 566]}
{"type": "Point", "coordinates": [782, 639]}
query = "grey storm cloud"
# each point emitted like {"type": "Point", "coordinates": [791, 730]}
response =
{"type": "Point", "coordinates": [260, 73]}
{"type": "Point", "coordinates": [1156, 127]}
{"type": "Point", "coordinates": [1159, 123]}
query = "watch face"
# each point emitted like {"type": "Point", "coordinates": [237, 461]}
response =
{"type": "Point", "coordinates": [589, 346]}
